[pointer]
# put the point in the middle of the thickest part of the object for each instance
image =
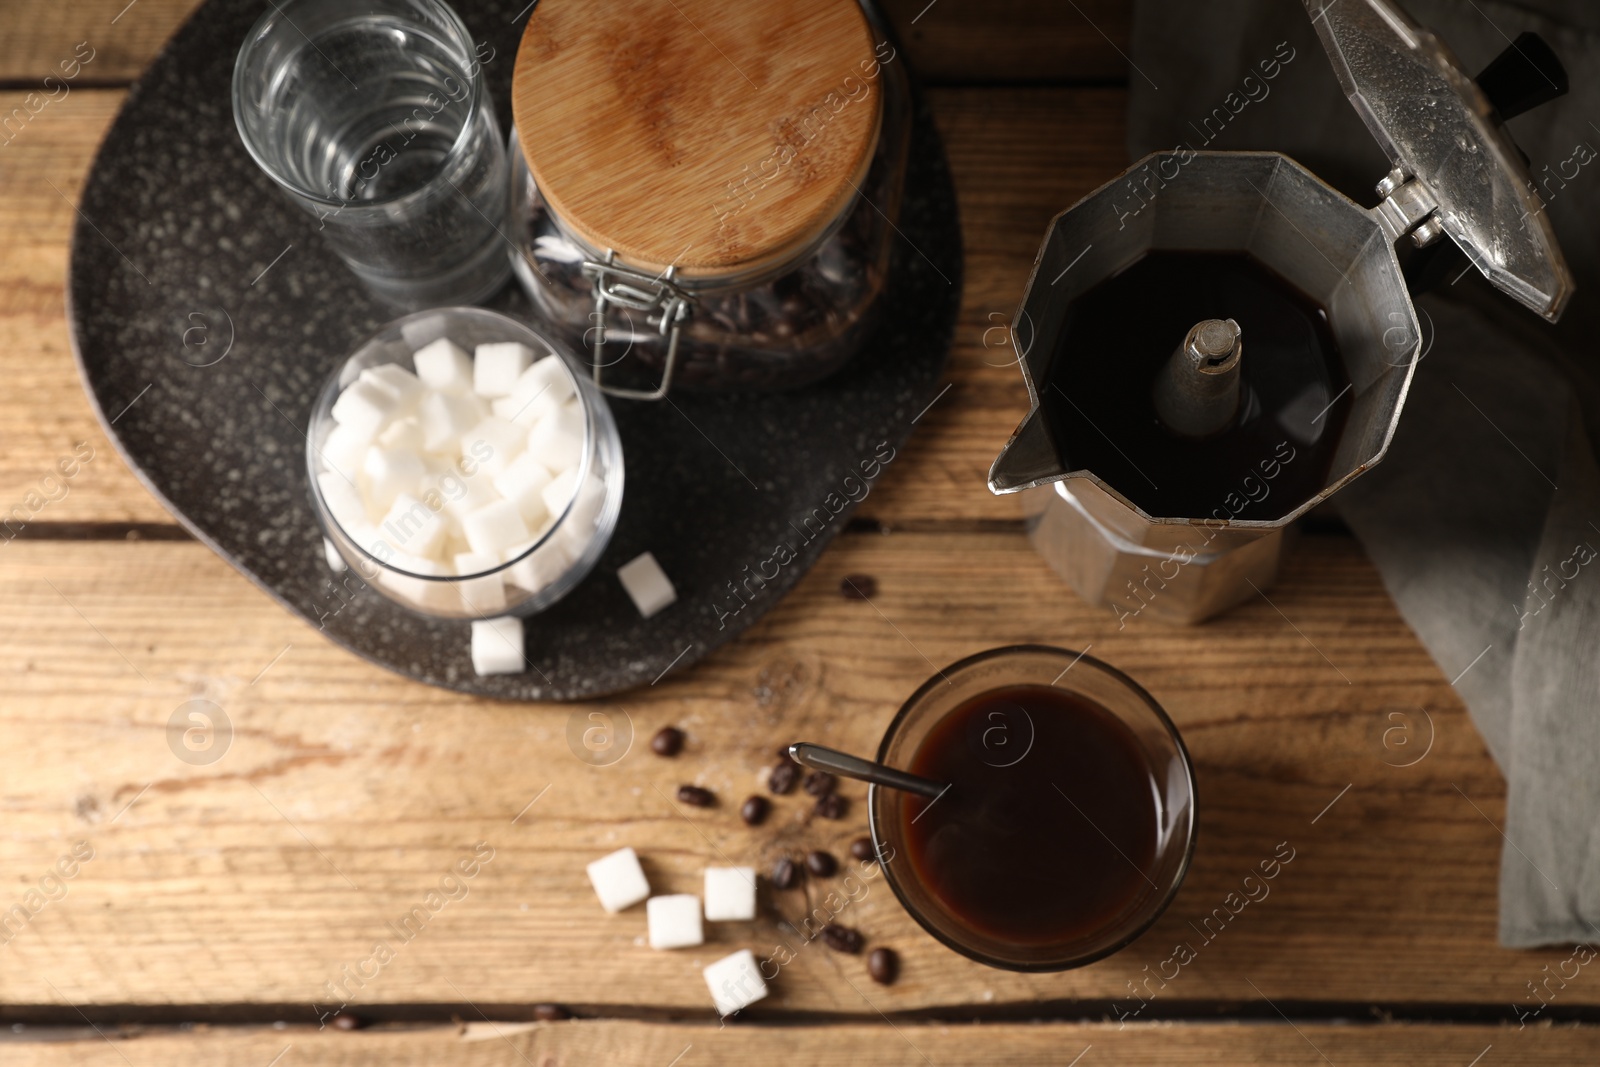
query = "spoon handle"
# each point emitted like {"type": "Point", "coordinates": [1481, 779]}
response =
{"type": "Point", "coordinates": [831, 759]}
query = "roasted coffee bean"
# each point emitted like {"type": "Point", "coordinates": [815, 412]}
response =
{"type": "Point", "coordinates": [883, 965]}
{"type": "Point", "coordinates": [785, 874]}
{"type": "Point", "coordinates": [861, 848]}
{"type": "Point", "coordinates": [858, 586]}
{"type": "Point", "coordinates": [783, 753]}
{"type": "Point", "coordinates": [754, 810]}
{"type": "Point", "coordinates": [693, 794]}
{"type": "Point", "coordinates": [345, 1021]}
{"type": "Point", "coordinates": [842, 938]}
{"type": "Point", "coordinates": [822, 864]}
{"type": "Point", "coordinates": [554, 1013]}
{"type": "Point", "coordinates": [783, 778]}
{"type": "Point", "coordinates": [668, 741]}
{"type": "Point", "coordinates": [832, 806]}
{"type": "Point", "coordinates": [820, 783]}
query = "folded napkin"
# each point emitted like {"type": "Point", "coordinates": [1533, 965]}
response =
{"type": "Point", "coordinates": [1484, 518]}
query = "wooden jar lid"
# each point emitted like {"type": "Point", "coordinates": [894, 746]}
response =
{"type": "Point", "coordinates": [717, 135]}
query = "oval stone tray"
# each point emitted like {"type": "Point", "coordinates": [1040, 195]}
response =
{"type": "Point", "coordinates": [206, 312]}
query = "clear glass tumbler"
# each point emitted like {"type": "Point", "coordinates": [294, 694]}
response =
{"type": "Point", "coordinates": [372, 115]}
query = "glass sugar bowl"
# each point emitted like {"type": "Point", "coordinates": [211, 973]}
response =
{"type": "Point", "coordinates": [464, 465]}
{"type": "Point", "coordinates": [708, 212]}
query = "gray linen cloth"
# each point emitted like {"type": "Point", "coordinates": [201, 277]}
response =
{"type": "Point", "coordinates": [1484, 519]}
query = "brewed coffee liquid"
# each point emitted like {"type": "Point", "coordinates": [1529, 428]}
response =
{"type": "Point", "coordinates": [1119, 335]}
{"type": "Point", "coordinates": [1049, 830]}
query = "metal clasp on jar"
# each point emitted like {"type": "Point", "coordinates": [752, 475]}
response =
{"type": "Point", "coordinates": [665, 306]}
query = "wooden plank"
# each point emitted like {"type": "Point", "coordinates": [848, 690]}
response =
{"type": "Point", "coordinates": [348, 794]}
{"type": "Point", "coordinates": [1019, 156]}
{"type": "Point", "coordinates": [629, 1044]}
{"type": "Point", "coordinates": [949, 40]}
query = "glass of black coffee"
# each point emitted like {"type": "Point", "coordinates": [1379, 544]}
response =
{"type": "Point", "coordinates": [1070, 818]}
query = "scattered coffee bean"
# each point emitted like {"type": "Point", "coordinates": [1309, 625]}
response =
{"type": "Point", "coordinates": [858, 586]}
{"type": "Point", "coordinates": [862, 849]}
{"type": "Point", "coordinates": [554, 1013]}
{"type": "Point", "coordinates": [345, 1021]}
{"type": "Point", "coordinates": [783, 778]}
{"type": "Point", "coordinates": [754, 811]}
{"type": "Point", "coordinates": [693, 794]}
{"type": "Point", "coordinates": [785, 875]}
{"type": "Point", "coordinates": [822, 864]}
{"type": "Point", "coordinates": [783, 753]}
{"type": "Point", "coordinates": [883, 965]}
{"type": "Point", "coordinates": [832, 806]}
{"type": "Point", "coordinates": [842, 938]}
{"type": "Point", "coordinates": [668, 741]}
{"type": "Point", "coordinates": [820, 783]}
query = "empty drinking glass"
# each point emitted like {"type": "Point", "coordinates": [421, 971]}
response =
{"type": "Point", "coordinates": [372, 115]}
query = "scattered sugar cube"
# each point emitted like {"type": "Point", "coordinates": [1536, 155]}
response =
{"type": "Point", "coordinates": [522, 483]}
{"type": "Point", "coordinates": [735, 982]}
{"type": "Point", "coordinates": [343, 500]}
{"type": "Point", "coordinates": [730, 894]}
{"type": "Point", "coordinates": [412, 527]}
{"type": "Point", "coordinates": [497, 648]}
{"type": "Point", "coordinates": [541, 567]}
{"type": "Point", "coordinates": [390, 472]}
{"type": "Point", "coordinates": [492, 445]}
{"type": "Point", "coordinates": [674, 921]}
{"type": "Point", "coordinates": [330, 552]}
{"type": "Point", "coordinates": [557, 439]}
{"type": "Point", "coordinates": [496, 367]}
{"type": "Point", "coordinates": [399, 382]}
{"type": "Point", "coordinates": [343, 450]}
{"type": "Point", "coordinates": [443, 366]}
{"type": "Point", "coordinates": [364, 406]}
{"type": "Point", "coordinates": [445, 417]}
{"type": "Point", "coordinates": [618, 879]}
{"type": "Point", "coordinates": [495, 527]}
{"type": "Point", "coordinates": [647, 584]}
{"type": "Point", "coordinates": [481, 596]}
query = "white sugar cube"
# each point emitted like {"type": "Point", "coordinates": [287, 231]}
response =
{"type": "Point", "coordinates": [443, 366]}
{"type": "Point", "coordinates": [647, 584]}
{"type": "Point", "coordinates": [481, 596]}
{"type": "Point", "coordinates": [618, 879]}
{"type": "Point", "coordinates": [343, 500]}
{"type": "Point", "coordinates": [398, 382]}
{"type": "Point", "coordinates": [674, 921]}
{"type": "Point", "coordinates": [541, 567]}
{"type": "Point", "coordinates": [402, 435]}
{"type": "Point", "coordinates": [558, 494]}
{"type": "Point", "coordinates": [730, 894]}
{"type": "Point", "coordinates": [496, 367]}
{"type": "Point", "coordinates": [541, 390]}
{"type": "Point", "coordinates": [414, 585]}
{"type": "Point", "coordinates": [330, 552]}
{"type": "Point", "coordinates": [492, 444]}
{"type": "Point", "coordinates": [586, 508]}
{"type": "Point", "coordinates": [445, 417]}
{"type": "Point", "coordinates": [390, 472]}
{"type": "Point", "coordinates": [364, 406]}
{"type": "Point", "coordinates": [497, 649]}
{"type": "Point", "coordinates": [522, 483]}
{"type": "Point", "coordinates": [462, 494]}
{"type": "Point", "coordinates": [412, 527]}
{"type": "Point", "coordinates": [735, 982]}
{"type": "Point", "coordinates": [343, 450]}
{"type": "Point", "coordinates": [493, 528]}
{"type": "Point", "coordinates": [557, 439]}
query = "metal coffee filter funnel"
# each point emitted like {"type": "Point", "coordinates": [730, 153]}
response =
{"type": "Point", "coordinates": [1456, 173]}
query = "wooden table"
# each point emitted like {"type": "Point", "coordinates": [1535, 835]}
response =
{"type": "Point", "coordinates": [221, 899]}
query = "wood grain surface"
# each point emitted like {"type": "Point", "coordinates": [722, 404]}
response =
{"type": "Point", "coordinates": [628, 1044]}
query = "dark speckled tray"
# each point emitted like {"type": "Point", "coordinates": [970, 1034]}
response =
{"type": "Point", "coordinates": [185, 251]}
